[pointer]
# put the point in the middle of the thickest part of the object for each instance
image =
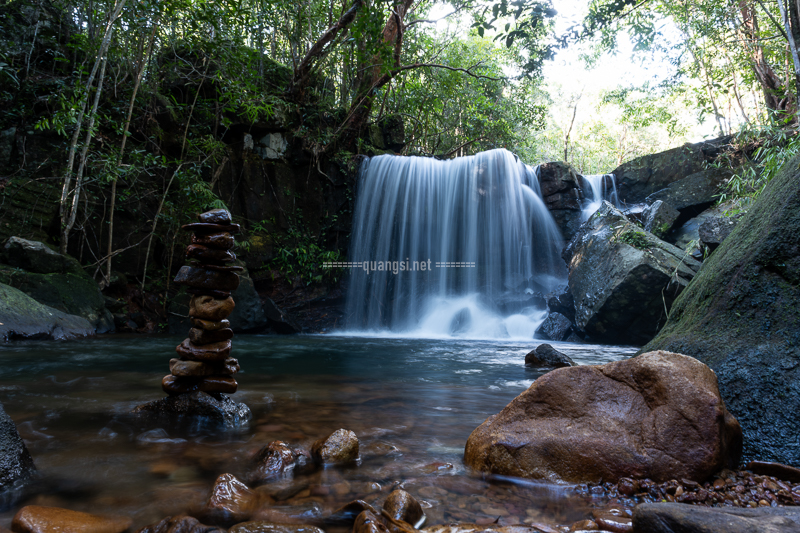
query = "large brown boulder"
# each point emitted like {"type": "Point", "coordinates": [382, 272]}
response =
{"type": "Point", "coordinates": [657, 416]}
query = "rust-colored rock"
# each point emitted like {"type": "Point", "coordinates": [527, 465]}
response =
{"type": "Point", "coordinates": [179, 367]}
{"type": "Point", "coordinates": [39, 519]}
{"type": "Point", "coordinates": [657, 416]}
{"type": "Point", "coordinates": [367, 522]}
{"type": "Point", "coordinates": [203, 278]}
{"type": "Point", "coordinates": [272, 461]}
{"type": "Point", "coordinates": [208, 292]}
{"type": "Point", "coordinates": [780, 471]}
{"type": "Point", "coordinates": [339, 447]}
{"type": "Point", "coordinates": [180, 524]}
{"type": "Point", "coordinates": [231, 501]}
{"type": "Point", "coordinates": [216, 351]}
{"type": "Point", "coordinates": [402, 506]}
{"type": "Point", "coordinates": [215, 216]}
{"type": "Point", "coordinates": [181, 385]}
{"type": "Point", "coordinates": [200, 337]}
{"type": "Point", "coordinates": [260, 526]}
{"type": "Point", "coordinates": [210, 308]}
{"type": "Point", "coordinates": [203, 228]}
{"type": "Point", "coordinates": [220, 241]}
{"type": "Point", "coordinates": [210, 325]}
{"type": "Point", "coordinates": [206, 253]}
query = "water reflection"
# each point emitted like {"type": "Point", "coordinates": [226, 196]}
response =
{"type": "Point", "coordinates": [412, 403]}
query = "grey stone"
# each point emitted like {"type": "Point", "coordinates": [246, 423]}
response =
{"type": "Point", "coordinates": [562, 302]}
{"type": "Point", "coordinates": [715, 229]}
{"type": "Point", "coordinates": [38, 258]}
{"type": "Point", "coordinates": [22, 317]}
{"type": "Point", "coordinates": [196, 411]}
{"type": "Point", "coordinates": [556, 327]}
{"type": "Point", "coordinates": [546, 355]}
{"type": "Point", "coordinates": [248, 315]}
{"type": "Point", "coordinates": [643, 176]}
{"type": "Point", "coordinates": [623, 279]}
{"type": "Point", "coordinates": [697, 191]}
{"type": "Point", "coordinates": [279, 320]}
{"type": "Point", "coordinates": [562, 194]}
{"type": "Point", "coordinates": [685, 518]}
{"type": "Point", "coordinates": [16, 463]}
{"type": "Point", "coordinates": [659, 217]}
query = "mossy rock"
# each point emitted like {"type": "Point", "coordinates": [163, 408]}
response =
{"type": "Point", "coordinates": [22, 317]}
{"type": "Point", "coordinates": [741, 316]}
{"type": "Point", "coordinates": [71, 293]}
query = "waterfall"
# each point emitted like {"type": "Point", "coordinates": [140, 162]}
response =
{"type": "Point", "coordinates": [601, 187]}
{"type": "Point", "coordinates": [464, 247]}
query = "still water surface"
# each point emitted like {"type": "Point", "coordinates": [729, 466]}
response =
{"type": "Point", "coordinates": [412, 403]}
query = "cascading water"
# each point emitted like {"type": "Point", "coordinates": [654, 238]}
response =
{"type": "Point", "coordinates": [602, 187]}
{"type": "Point", "coordinates": [463, 247]}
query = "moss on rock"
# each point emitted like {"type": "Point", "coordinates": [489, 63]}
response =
{"type": "Point", "coordinates": [740, 316]}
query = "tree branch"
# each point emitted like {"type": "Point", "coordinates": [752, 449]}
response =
{"type": "Point", "coordinates": [446, 67]}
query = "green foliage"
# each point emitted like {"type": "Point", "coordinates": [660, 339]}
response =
{"type": "Point", "coordinates": [772, 148]}
{"type": "Point", "coordinates": [637, 239]}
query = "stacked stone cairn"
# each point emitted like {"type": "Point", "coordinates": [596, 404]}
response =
{"type": "Point", "coordinates": [204, 363]}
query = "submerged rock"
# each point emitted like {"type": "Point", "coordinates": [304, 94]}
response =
{"type": "Point", "coordinates": [39, 519]}
{"type": "Point", "coordinates": [402, 506]}
{"type": "Point", "coordinates": [684, 518]}
{"type": "Point", "coordinates": [657, 416]}
{"type": "Point", "coordinates": [740, 316]}
{"type": "Point", "coordinates": [22, 317]}
{"type": "Point", "coordinates": [180, 524]}
{"type": "Point", "coordinates": [197, 410]}
{"type": "Point", "coordinates": [340, 447]}
{"type": "Point", "coordinates": [16, 463]}
{"type": "Point", "coordinates": [260, 526]}
{"type": "Point", "coordinates": [273, 461]}
{"type": "Point", "coordinates": [623, 279]}
{"type": "Point", "coordinates": [231, 501]}
{"type": "Point", "coordinates": [546, 355]}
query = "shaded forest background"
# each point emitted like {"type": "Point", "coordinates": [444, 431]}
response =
{"type": "Point", "coordinates": [121, 119]}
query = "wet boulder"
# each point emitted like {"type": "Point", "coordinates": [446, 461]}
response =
{"type": "Point", "coordinates": [16, 463]}
{"type": "Point", "coordinates": [556, 327]}
{"type": "Point", "coordinates": [547, 356]}
{"type": "Point", "coordinates": [40, 519]}
{"type": "Point", "coordinates": [561, 302]}
{"type": "Point", "coordinates": [657, 416]}
{"type": "Point", "coordinates": [623, 279]}
{"type": "Point", "coordinates": [340, 447]}
{"type": "Point", "coordinates": [740, 317]}
{"type": "Point", "coordinates": [231, 502]}
{"type": "Point", "coordinates": [685, 518]}
{"type": "Point", "coordinates": [22, 317]}
{"type": "Point", "coordinates": [562, 194]}
{"type": "Point", "coordinates": [401, 505]}
{"type": "Point", "coordinates": [260, 526]}
{"type": "Point", "coordinates": [197, 410]}
{"type": "Point", "coordinates": [273, 461]}
{"type": "Point", "coordinates": [659, 217]}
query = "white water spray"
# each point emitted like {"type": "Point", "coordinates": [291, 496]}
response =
{"type": "Point", "coordinates": [479, 222]}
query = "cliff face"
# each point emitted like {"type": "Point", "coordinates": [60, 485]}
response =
{"type": "Point", "coordinates": [740, 316]}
